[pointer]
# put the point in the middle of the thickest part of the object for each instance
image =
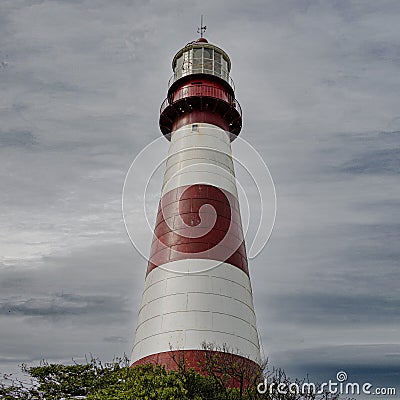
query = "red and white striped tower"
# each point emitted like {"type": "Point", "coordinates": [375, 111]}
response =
{"type": "Point", "coordinates": [197, 286]}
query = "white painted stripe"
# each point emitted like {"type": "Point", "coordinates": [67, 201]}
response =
{"type": "Point", "coordinates": [211, 140]}
{"type": "Point", "coordinates": [203, 129]}
{"type": "Point", "coordinates": [181, 339]}
{"type": "Point", "coordinates": [202, 174]}
{"type": "Point", "coordinates": [199, 152]}
{"type": "Point", "coordinates": [198, 267]}
{"type": "Point", "coordinates": [200, 157]}
{"type": "Point", "coordinates": [183, 310]}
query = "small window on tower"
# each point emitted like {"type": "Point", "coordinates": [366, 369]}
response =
{"type": "Point", "coordinates": [195, 128]}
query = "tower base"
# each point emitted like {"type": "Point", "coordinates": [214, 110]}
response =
{"type": "Point", "coordinates": [241, 370]}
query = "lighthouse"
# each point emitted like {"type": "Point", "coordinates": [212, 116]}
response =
{"type": "Point", "coordinates": [197, 287]}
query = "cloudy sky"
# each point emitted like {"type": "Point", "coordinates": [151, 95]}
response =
{"type": "Point", "coordinates": [81, 83]}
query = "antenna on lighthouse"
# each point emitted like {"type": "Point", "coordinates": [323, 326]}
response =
{"type": "Point", "coordinates": [202, 27]}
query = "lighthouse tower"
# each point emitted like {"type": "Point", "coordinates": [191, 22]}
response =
{"type": "Point", "coordinates": [197, 288]}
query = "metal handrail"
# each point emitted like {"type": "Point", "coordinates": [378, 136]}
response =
{"type": "Point", "coordinates": [201, 90]}
{"type": "Point", "coordinates": [224, 74]}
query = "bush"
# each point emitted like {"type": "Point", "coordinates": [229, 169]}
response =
{"type": "Point", "coordinates": [117, 380]}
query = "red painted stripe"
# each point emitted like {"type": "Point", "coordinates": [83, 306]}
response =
{"type": "Point", "coordinates": [198, 221]}
{"type": "Point", "coordinates": [197, 359]}
{"type": "Point", "coordinates": [198, 117]}
{"type": "Point", "coordinates": [201, 86]}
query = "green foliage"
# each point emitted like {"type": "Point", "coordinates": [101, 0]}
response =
{"type": "Point", "coordinates": [117, 380]}
{"type": "Point", "coordinates": [95, 381]}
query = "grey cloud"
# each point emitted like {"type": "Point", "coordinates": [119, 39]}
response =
{"type": "Point", "coordinates": [63, 305]}
{"type": "Point", "coordinates": [375, 162]}
{"type": "Point", "coordinates": [329, 308]}
{"type": "Point", "coordinates": [322, 363]}
{"type": "Point", "coordinates": [15, 138]}
{"type": "Point", "coordinates": [115, 339]}
{"type": "Point", "coordinates": [369, 153]}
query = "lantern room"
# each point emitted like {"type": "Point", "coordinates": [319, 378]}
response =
{"type": "Point", "coordinates": [201, 90]}
{"type": "Point", "coordinates": [201, 57]}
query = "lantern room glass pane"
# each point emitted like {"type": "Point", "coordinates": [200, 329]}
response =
{"type": "Point", "coordinates": [217, 69]}
{"type": "Point", "coordinates": [187, 63]}
{"type": "Point", "coordinates": [201, 60]}
{"type": "Point", "coordinates": [224, 65]}
{"type": "Point", "coordinates": [208, 66]}
{"type": "Point", "coordinates": [178, 67]}
{"type": "Point", "coordinates": [208, 53]}
{"type": "Point", "coordinates": [197, 53]}
{"type": "Point", "coordinates": [196, 66]}
{"type": "Point", "coordinates": [186, 56]}
{"type": "Point", "coordinates": [224, 71]}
